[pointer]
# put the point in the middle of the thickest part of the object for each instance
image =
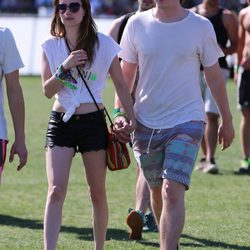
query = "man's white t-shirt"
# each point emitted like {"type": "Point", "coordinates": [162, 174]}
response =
{"type": "Point", "coordinates": [169, 57]}
{"type": "Point", "coordinates": [10, 61]}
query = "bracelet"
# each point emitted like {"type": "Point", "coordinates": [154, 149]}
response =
{"type": "Point", "coordinates": [236, 68]}
{"type": "Point", "coordinates": [63, 69]}
{"type": "Point", "coordinates": [65, 77]}
{"type": "Point", "coordinates": [120, 113]}
{"type": "Point", "coordinates": [116, 110]}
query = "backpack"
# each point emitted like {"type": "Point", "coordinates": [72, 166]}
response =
{"type": "Point", "coordinates": [123, 24]}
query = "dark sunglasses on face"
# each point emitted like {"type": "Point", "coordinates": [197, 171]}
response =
{"type": "Point", "coordinates": [73, 7]}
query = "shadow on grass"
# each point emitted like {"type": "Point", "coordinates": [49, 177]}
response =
{"type": "Point", "coordinates": [116, 234]}
{"type": "Point", "coordinates": [205, 243]}
{"type": "Point", "coordinates": [82, 233]}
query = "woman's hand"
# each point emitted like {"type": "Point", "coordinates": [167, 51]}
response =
{"type": "Point", "coordinates": [76, 58]}
{"type": "Point", "coordinates": [123, 128]}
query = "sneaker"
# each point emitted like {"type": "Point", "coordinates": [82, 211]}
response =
{"type": "Point", "coordinates": [135, 222]}
{"type": "Point", "coordinates": [178, 247]}
{"type": "Point", "coordinates": [211, 167]}
{"type": "Point", "coordinates": [245, 167]}
{"type": "Point", "coordinates": [202, 164]}
{"type": "Point", "coordinates": [150, 223]}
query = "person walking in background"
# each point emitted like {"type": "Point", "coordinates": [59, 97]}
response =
{"type": "Point", "coordinates": [75, 124]}
{"type": "Point", "coordinates": [168, 104]}
{"type": "Point", "coordinates": [139, 219]}
{"type": "Point", "coordinates": [243, 83]}
{"type": "Point", "coordinates": [190, 3]}
{"type": "Point", "coordinates": [226, 28]}
{"type": "Point", "coordinates": [10, 63]}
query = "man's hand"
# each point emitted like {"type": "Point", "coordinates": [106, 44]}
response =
{"type": "Point", "coordinates": [123, 128]}
{"type": "Point", "coordinates": [21, 150]}
{"type": "Point", "coordinates": [225, 134]}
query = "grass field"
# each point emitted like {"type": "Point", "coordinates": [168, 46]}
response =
{"type": "Point", "coordinates": [217, 207]}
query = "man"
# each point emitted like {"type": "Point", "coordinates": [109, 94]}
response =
{"type": "Point", "coordinates": [10, 63]}
{"type": "Point", "coordinates": [226, 28]}
{"type": "Point", "coordinates": [243, 82]}
{"type": "Point", "coordinates": [137, 217]}
{"type": "Point", "coordinates": [168, 43]}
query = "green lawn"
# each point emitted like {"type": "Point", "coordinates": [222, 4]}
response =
{"type": "Point", "coordinates": [217, 207]}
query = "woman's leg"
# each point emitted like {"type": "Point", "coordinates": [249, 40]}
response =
{"type": "Point", "coordinates": [95, 168]}
{"type": "Point", "coordinates": [58, 162]}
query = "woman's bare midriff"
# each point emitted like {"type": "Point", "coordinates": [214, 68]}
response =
{"type": "Point", "coordinates": [84, 108]}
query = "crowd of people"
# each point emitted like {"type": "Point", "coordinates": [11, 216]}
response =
{"type": "Point", "coordinates": [165, 128]}
{"type": "Point", "coordinates": [98, 7]}
{"type": "Point", "coordinates": [102, 7]}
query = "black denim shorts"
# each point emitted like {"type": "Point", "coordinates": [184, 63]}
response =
{"type": "Point", "coordinates": [84, 133]}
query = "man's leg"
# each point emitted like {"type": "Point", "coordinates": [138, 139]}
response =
{"type": "Point", "coordinates": [142, 199]}
{"type": "Point", "coordinates": [156, 202]}
{"type": "Point", "coordinates": [135, 218]}
{"type": "Point", "coordinates": [211, 135]}
{"type": "Point", "coordinates": [243, 84]}
{"type": "Point", "coordinates": [245, 132]}
{"type": "Point", "coordinates": [211, 129]}
{"type": "Point", "coordinates": [211, 138]}
{"type": "Point", "coordinates": [173, 214]}
{"type": "Point", "coordinates": [180, 155]}
{"type": "Point", "coordinates": [245, 141]}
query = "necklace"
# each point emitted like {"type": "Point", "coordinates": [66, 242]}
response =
{"type": "Point", "coordinates": [72, 46]}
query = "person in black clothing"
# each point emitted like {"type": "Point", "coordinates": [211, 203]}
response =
{"type": "Point", "coordinates": [242, 76]}
{"type": "Point", "coordinates": [226, 28]}
{"type": "Point", "coordinates": [138, 219]}
{"type": "Point", "coordinates": [190, 3]}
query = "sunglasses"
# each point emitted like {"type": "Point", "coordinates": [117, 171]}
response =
{"type": "Point", "coordinates": [73, 7]}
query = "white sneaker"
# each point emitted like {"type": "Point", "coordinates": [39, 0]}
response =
{"type": "Point", "coordinates": [202, 165]}
{"type": "Point", "coordinates": [211, 168]}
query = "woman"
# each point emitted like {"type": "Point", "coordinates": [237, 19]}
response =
{"type": "Point", "coordinates": [75, 124]}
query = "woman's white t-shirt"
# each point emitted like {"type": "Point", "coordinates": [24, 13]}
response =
{"type": "Point", "coordinates": [96, 76]}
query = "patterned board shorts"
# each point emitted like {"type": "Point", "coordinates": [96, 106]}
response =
{"type": "Point", "coordinates": [168, 153]}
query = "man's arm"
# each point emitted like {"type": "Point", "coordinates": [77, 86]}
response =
{"type": "Point", "coordinates": [115, 26]}
{"type": "Point", "coordinates": [231, 24]}
{"type": "Point", "coordinates": [241, 36]}
{"type": "Point", "coordinates": [215, 81]}
{"type": "Point", "coordinates": [17, 110]}
{"type": "Point", "coordinates": [123, 97]}
{"type": "Point", "coordinates": [129, 73]}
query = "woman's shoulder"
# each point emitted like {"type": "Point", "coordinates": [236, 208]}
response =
{"type": "Point", "coordinates": [107, 43]}
{"type": "Point", "coordinates": [49, 40]}
{"type": "Point", "coordinates": [102, 36]}
{"type": "Point", "coordinates": [105, 39]}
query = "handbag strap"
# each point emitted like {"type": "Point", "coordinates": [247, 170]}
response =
{"type": "Point", "coordinates": [92, 96]}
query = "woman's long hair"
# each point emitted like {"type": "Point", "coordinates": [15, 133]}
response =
{"type": "Point", "coordinates": [88, 37]}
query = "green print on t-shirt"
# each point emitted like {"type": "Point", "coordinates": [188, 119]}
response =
{"type": "Point", "coordinates": [88, 75]}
